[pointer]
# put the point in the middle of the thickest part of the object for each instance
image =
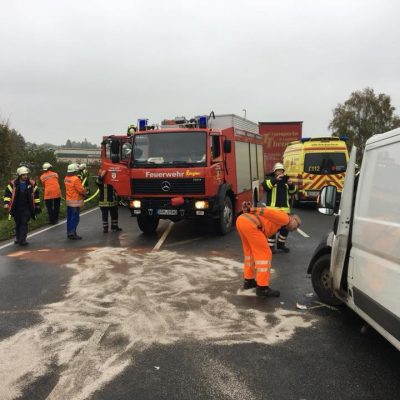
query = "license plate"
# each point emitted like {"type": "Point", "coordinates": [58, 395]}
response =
{"type": "Point", "coordinates": [313, 193]}
{"type": "Point", "coordinates": [167, 212]}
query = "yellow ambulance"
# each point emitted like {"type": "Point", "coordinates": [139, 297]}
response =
{"type": "Point", "coordinates": [313, 163]}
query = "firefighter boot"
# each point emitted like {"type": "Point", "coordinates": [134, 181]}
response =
{"type": "Point", "coordinates": [282, 246]}
{"type": "Point", "coordinates": [266, 291]}
{"type": "Point", "coordinates": [249, 284]}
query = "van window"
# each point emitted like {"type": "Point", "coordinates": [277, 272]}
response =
{"type": "Point", "coordinates": [380, 190]}
{"type": "Point", "coordinates": [325, 163]}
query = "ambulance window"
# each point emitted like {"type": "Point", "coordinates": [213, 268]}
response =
{"type": "Point", "coordinates": [325, 163]}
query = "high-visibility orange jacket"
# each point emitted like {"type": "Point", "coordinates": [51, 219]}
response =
{"type": "Point", "coordinates": [74, 191]}
{"type": "Point", "coordinates": [271, 219]}
{"type": "Point", "coordinates": [51, 186]}
{"type": "Point", "coordinates": [254, 228]}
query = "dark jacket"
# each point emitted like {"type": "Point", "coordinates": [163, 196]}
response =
{"type": "Point", "coordinates": [278, 192]}
{"type": "Point", "coordinates": [12, 196]}
{"type": "Point", "coordinates": [107, 195]}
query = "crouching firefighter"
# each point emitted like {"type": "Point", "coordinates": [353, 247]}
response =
{"type": "Point", "coordinates": [278, 189]}
{"type": "Point", "coordinates": [255, 225]}
{"type": "Point", "coordinates": [21, 200]}
{"type": "Point", "coordinates": [108, 203]}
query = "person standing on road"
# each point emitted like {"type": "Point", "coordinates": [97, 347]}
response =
{"type": "Point", "coordinates": [255, 225]}
{"type": "Point", "coordinates": [52, 192]}
{"type": "Point", "coordinates": [278, 188]}
{"type": "Point", "coordinates": [74, 193]}
{"type": "Point", "coordinates": [21, 200]}
{"type": "Point", "coordinates": [108, 203]}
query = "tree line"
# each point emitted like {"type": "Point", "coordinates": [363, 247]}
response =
{"type": "Point", "coordinates": [363, 115]}
{"type": "Point", "coordinates": [16, 152]}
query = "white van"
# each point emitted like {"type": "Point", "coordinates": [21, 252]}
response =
{"type": "Point", "coordinates": [358, 263]}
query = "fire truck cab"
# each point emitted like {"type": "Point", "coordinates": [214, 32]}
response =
{"type": "Point", "coordinates": [200, 169]}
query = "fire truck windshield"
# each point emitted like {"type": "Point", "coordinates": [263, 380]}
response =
{"type": "Point", "coordinates": [325, 163]}
{"type": "Point", "coordinates": [170, 149]}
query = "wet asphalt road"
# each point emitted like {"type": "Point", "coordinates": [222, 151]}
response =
{"type": "Point", "coordinates": [107, 318]}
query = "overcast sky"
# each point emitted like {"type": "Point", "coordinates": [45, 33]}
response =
{"type": "Point", "coordinates": [83, 69]}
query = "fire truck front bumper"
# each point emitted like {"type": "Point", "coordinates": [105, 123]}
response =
{"type": "Point", "coordinates": [164, 208]}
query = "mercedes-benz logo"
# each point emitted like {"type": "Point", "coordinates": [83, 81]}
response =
{"type": "Point", "coordinates": [165, 186]}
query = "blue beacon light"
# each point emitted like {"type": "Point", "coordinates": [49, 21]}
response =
{"type": "Point", "coordinates": [203, 121]}
{"type": "Point", "coordinates": [142, 123]}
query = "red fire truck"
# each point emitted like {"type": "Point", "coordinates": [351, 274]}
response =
{"type": "Point", "coordinates": [203, 168]}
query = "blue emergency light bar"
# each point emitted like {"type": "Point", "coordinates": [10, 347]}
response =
{"type": "Point", "coordinates": [203, 119]}
{"type": "Point", "coordinates": [142, 124]}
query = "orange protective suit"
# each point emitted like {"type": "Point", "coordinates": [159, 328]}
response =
{"type": "Point", "coordinates": [254, 228]}
{"type": "Point", "coordinates": [51, 185]}
{"type": "Point", "coordinates": [74, 191]}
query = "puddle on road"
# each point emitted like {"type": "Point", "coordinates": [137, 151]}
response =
{"type": "Point", "coordinates": [124, 301]}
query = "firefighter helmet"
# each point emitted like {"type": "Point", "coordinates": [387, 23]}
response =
{"type": "Point", "coordinates": [82, 167]}
{"type": "Point", "coordinates": [46, 166]}
{"type": "Point", "coordinates": [22, 171]}
{"type": "Point", "coordinates": [278, 165]}
{"type": "Point", "coordinates": [72, 168]}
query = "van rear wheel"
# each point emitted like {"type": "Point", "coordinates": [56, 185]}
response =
{"type": "Point", "coordinates": [321, 280]}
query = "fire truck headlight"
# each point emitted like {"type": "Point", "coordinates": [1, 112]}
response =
{"type": "Point", "coordinates": [201, 205]}
{"type": "Point", "coordinates": [135, 204]}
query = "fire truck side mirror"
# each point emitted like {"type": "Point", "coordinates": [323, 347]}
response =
{"type": "Point", "coordinates": [115, 144]}
{"type": "Point", "coordinates": [227, 146]}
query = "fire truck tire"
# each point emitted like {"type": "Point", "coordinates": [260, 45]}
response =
{"type": "Point", "coordinates": [224, 223]}
{"type": "Point", "coordinates": [148, 225]}
{"type": "Point", "coordinates": [320, 278]}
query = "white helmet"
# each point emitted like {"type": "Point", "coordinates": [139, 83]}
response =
{"type": "Point", "coordinates": [72, 168]}
{"type": "Point", "coordinates": [82, 167]}
{"type": "Point", "coordinates": [278, 165]}
{"type": "Point", "coordinates": [46, 166]}
{"type": "Point", "coordinates": [22, 171]}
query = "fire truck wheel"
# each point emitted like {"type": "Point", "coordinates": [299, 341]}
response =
{"type": "Point", "coordinates": [224, 223]}
{"type": "Point", "coordinates": [321, 281]}
{"type": "Point", "coordinates": [148, 225]}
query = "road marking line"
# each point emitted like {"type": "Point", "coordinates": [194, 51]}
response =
{"type": "Point", "coordinates": [163, 237]}
{"type": "Point", "coordinates": [302, 233]}
{"type": "Point", "coordinates": [46, 229]}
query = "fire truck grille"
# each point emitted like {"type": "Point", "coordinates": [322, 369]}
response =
{"type": "Point", "coordinates": [168, 186]}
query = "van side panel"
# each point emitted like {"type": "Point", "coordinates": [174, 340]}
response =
{"type": "Point", "coordinates": [374, 273]}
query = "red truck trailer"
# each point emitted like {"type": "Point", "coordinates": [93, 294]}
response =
{"type": "Point", "coordinates": [201, 169]}
{"type": "Point", "coordinates": [276, 136]}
